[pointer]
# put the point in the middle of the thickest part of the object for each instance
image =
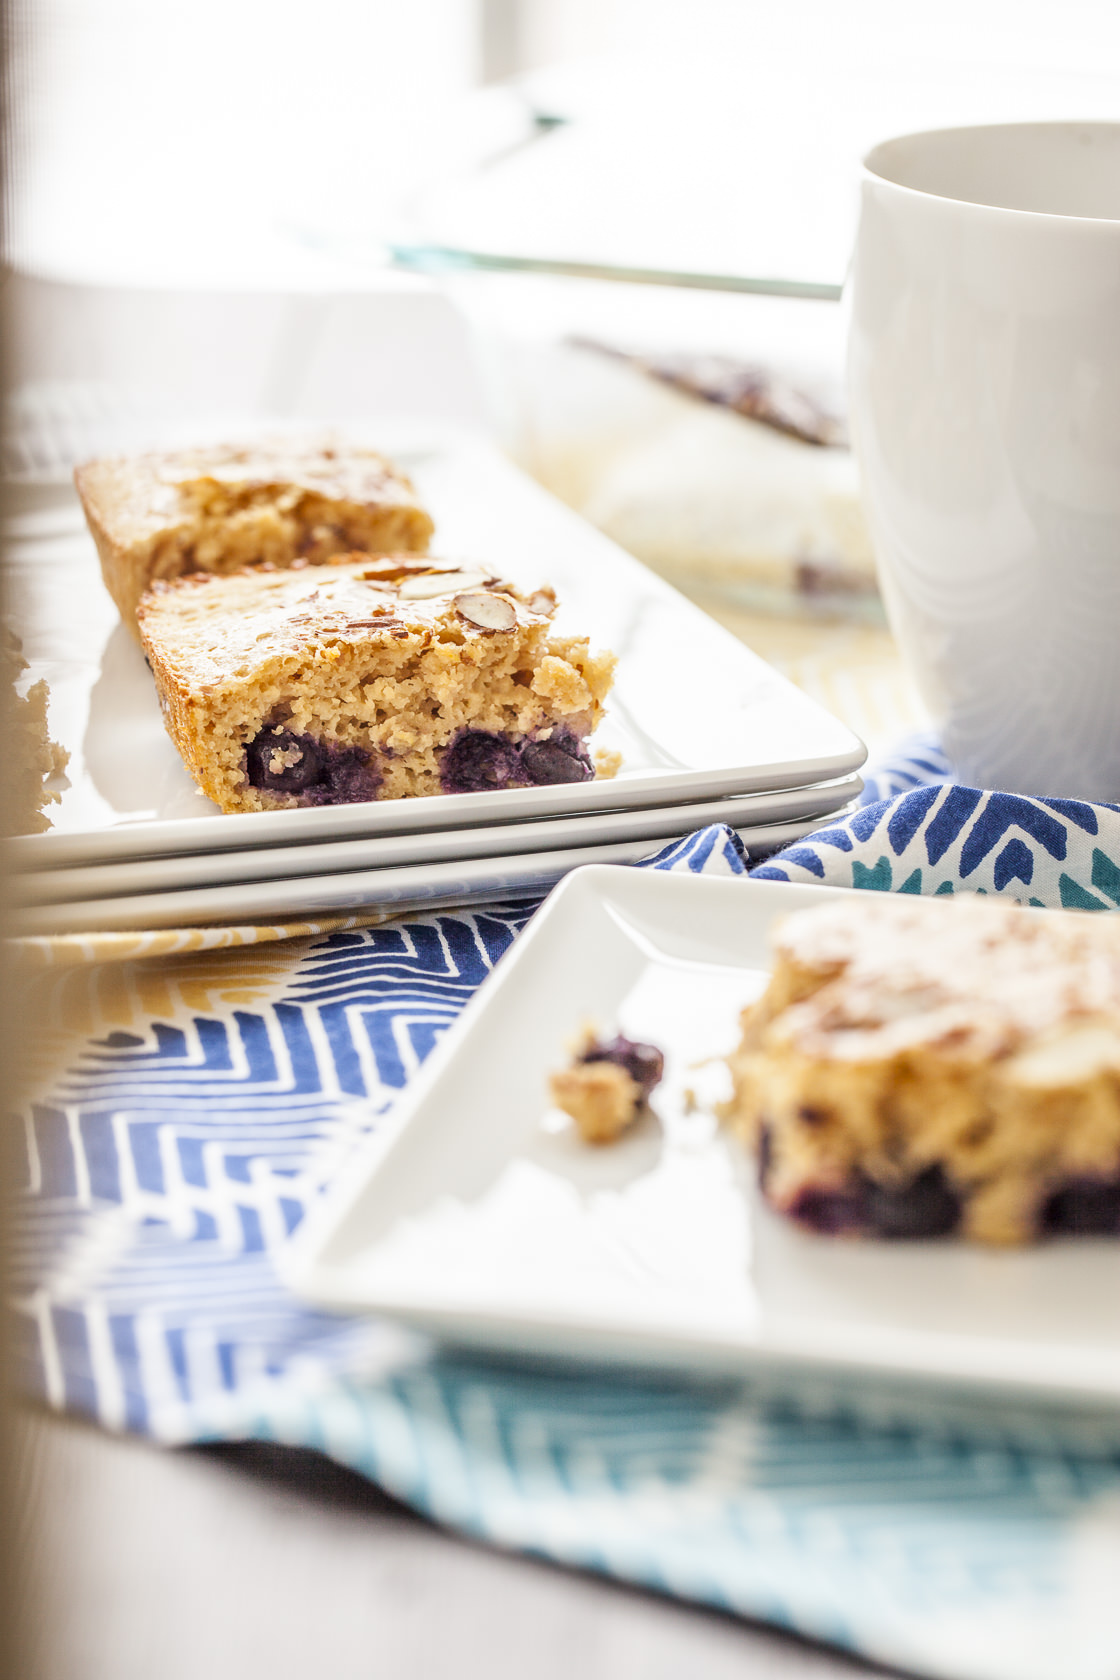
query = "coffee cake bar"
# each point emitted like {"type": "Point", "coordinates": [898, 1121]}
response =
{"type": "Point", "coordinates": [220, 509]}
{"type": "Point", "coordinates": [918, 1068]}
{"type": "Point", "coordinates": [367, 679]}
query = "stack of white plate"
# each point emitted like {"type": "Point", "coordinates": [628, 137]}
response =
{"type": "Point", "coordinates": [707, 732]}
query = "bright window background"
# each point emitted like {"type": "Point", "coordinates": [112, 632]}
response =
{"type": "Point", "coordinates": [1073, 34]}
{"type": "Point", "coordinates": [179, 142]}
{"type": "Point", "coordinates": [201, 188]}
{"type": "Point", "coordinates": [227, 138]}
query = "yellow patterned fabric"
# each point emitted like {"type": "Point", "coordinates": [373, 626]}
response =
{"type": "Point", "coordinates": [74, 988]}
{"type": "Point", "coordinates": [66, 950]}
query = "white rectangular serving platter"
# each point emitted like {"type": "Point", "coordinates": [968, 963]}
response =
{"type": "Point", "coordinates": [695, 714]}
{"type": "Point", "coordinates": [386, 851]}
{"type": "Point", "coordinates": [387, 892]}
{"type": "Point", "coordinates": [477, 1214]}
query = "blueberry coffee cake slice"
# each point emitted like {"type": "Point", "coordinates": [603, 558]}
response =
{"type": "Point", "coordinates": [222, 508]}
{"type": "Point", "coordinates": [918, 1068]}
{"type": "Point", "coordinates": [368, 678]}
{"type": "Point", "coordinates": [607, 1084]}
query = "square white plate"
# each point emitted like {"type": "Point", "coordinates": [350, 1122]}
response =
{"type": "Point", "coordinates": [376, 852]}
{"type": "Point", "coordinates": [695, 714]}
{"type": "Point", "coordinates": [477, 1214]}
{"type": "Point", "coordinates": [464, 877]}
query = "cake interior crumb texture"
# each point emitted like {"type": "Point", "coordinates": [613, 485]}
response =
{"type": "Point", "coordinates": [600, 1097]}
{"type": "Point", "coordinates": [926, 1068]}
{"type": "Point", "coordinates": [220, 509]}
{"type": "Point", "coordinates": [369, 678]}
{"type": "Point", "coordinates": [32, 758]}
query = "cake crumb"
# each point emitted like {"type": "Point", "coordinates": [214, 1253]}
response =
{"type": "Point", "coordinates": [33, 758]}
{"type": "Point", "coordinates": [607, 1085]}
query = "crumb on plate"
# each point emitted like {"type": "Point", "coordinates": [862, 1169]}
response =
{"type": "Point", "coordinates": [607, 1084]}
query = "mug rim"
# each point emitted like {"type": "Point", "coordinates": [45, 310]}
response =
{"type": "Point", "coordinates": [870, 172]}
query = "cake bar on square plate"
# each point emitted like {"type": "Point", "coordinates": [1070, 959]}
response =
{"type": "Point", "coordinates": [918, 1068]}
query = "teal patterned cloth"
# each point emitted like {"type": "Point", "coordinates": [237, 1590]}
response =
{"type": "Point", "coordinates": [168, 1163]}
{"type": "Point", "coordinates": [943, 838]}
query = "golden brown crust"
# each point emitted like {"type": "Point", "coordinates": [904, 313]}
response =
{"type": "Point", "coordinates": [219, 509]}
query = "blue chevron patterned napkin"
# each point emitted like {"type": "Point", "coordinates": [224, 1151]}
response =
{"type": "Point", "coordinates": [920, 833]}
{"type": "Point", "coordinates": [193, 1106]}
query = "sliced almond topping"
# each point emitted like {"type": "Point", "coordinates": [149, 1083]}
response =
{"type": "Point", "coordinates": [486, 611]}
{"type": "Point", "coordinates": [390, 568]}
{"type": "Point", "coordinates": [543, 601]}
{"type": "Point", "coordinates": [439, 583]}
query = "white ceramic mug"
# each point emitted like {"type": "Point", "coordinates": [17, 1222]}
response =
{"type": "Point", "coordinates": [984, 366]}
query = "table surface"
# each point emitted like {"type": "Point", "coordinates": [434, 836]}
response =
{"type": "Point", "coordinates": [232, 1562]}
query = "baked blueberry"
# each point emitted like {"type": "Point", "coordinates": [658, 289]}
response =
{"type": "Point", "coordinates": [559, 759]}
{"type": "Point", "coordinates": [828, 1212]}
{"type": "Point", "coordinates": [926, 1207]}
{"type": "Point", "coordinates": [348, 777]}
{"type": "Point", "coordinates": [643, 1062]}
{"type": "Point", "coordinates": [315, 772]}
{"type": "Point", "coordinates": [479, 760]}
{"type": "Point", "coordinates": [282, 762]}
{"type": "Point", "coordinates": [1083, 1207]}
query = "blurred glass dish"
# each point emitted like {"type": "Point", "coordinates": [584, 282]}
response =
{"type": "Point", "coordinates": [745, 489]}
{"type": "Point", "coordinates": [731, 197]}
{"type": "Point", "coordinates": [730, 169]}
{"type": "Point", "coordinates": [725, 473]}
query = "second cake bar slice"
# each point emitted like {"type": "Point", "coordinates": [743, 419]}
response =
{"type": "Point", "coordinates": [368, 679]}
{"type": "Point", "coordinates": [219, 509]}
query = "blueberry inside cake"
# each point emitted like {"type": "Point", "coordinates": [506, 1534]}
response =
{"type": "Point", "coordinates": [607, 1086]}
{"type": "Point", "coordinates": [368, 678]}
{"type": "Point", "coordinates": [923, 1068]}
{"type": "Point", "coordinates": [221, 508]}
